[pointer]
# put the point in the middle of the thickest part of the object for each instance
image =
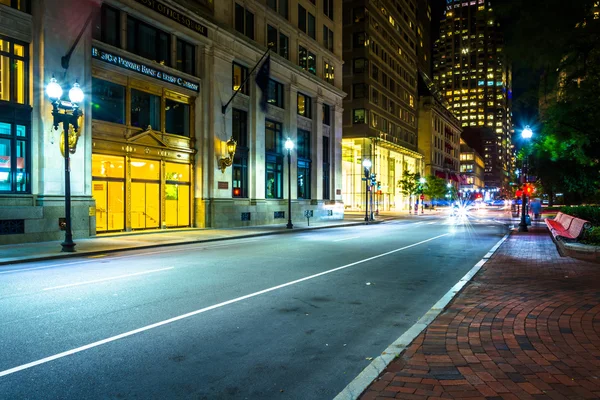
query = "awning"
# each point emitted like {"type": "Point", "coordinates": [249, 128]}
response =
{"type": "Point", "coordinates": [454, 177]}
{"type": "Point", "coordinates": [440, 174]}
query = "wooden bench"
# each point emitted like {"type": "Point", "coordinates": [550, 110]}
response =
{"type": "Point", "coordinates": [566, 227]}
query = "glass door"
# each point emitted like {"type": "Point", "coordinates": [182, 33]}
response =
{"type": "Point", "coordinates": [108, 190]}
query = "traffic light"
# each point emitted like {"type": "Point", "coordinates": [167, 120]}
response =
{"type": "Point", "coordinates": [378, 185]}
{"type": "Point", "coordinates": [373, 179]}
{"type": "Point", "coordinates": [529, 189]}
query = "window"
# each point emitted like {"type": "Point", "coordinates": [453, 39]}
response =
{"type": "Point", "coordinates": [328, 8]}
{"type": "Point", "coordinates": [275, 95]}
{"type": "Point", "coordinates": [326, 114]}
{"type": "Point", "coordinates": [312, 26]}
{"type": "Point", "coordinates": [374, 96]}
{"type": "Point", "coordinates": [239, 133]}
{"type": "Point", "coordinates": [304, 162]}
{"type": "Point", "coordinates": [186, 57]}
{"type": "Point", "coordinates": [328, 72]}
{"type": "Point", "coordinates": [145, 110]}
{"type": "Point", "coordinates": [108, 101]}
{"type": "Point", "coordinates": [359, 14]}
{"type": "Point", "coordinates": [304, 105]}
{"type": "Point", "coordinates": [359, 90]}
{"type": "Point", "coordinates": [358, 40]}
{"type": "Point", "coordinates": [359, 65]}
{"type": "Point", "coordinates": [328, 38]}
{"type": "Point", "coordinates": [281, 6]}
{"type": "Point", "coordinates": [148, 41]}
{"type": "Point", "coordinates": [21, 5]}
{"type": "Point", "coordinates": [302, 18]}
{"type": "Point", "coordinates": [358, 116]}
{"type": "Point", "coordinates": [177, 118]}
{"type": "Point", "coordinates": [278, 42]}
{"type": "Point", "coordinates": [110, 26]}
{"type": "Point", "coordinates": [244, 21]}
{"type": "Point", "coordinates": [14, 71]}
{"type": "Point", "coordinates": [307, 60]}
{"type": "Point", "coordinates": [284, 46]}
{"type": "Point", "coordinates": [273, 161]}
{"type": "Point", "coordinates": [326, 168]}
{"type": "Point", "coordinates": [375, 72]}
{"type": "Point", "coordinates": [239, 75]}
{"type": "Point", "coordinates": [14, 156]}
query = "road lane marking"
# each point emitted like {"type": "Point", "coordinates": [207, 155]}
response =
{"type": "Point", "coordinates": [206, 245]}
{"type": "Point", "coordinates": [107, 279]}
{"type": "Point", "coordinates": [350, 238]}
{"type": "Point", "coordinates": [380, 363]}
{"type": "Point", "coordinates": [203, 310]}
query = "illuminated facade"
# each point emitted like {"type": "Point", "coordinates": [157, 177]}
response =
{"type": "Point", "coordinates": [472, 72]}
{"type": "Point", "coordinates": [472, 169]}
{"type": "Point", "coordinates": [380, 111]}
{"type": "Point", "coordinates": [155, 76]}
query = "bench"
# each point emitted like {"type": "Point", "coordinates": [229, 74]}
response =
{"type": "Point", "coordinates": [566, 227]}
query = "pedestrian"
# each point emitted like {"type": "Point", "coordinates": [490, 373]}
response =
{"type": "Point", "coordinates": [536, 208]}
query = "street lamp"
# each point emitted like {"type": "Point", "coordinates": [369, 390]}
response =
{"type": "Point", "coordinates": [289, 145]}
{"type": "Point", "coordinates": [422, 182]}
{"type": "Point", "coordinates": [367, 170]}
{"type": "Point", "coordinates": [69, 116]}
{"type": "Point", "coordinates": [526, 133]}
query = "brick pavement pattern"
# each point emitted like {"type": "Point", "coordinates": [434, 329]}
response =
{"type": "Point", "coordinates": [526, 327]}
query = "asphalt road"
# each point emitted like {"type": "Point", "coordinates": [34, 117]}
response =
{"type": "Point", "coordinates": [293, 316]}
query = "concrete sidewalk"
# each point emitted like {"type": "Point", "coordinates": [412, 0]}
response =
{"type": "Point", "coordinates": [527, 326]}
{"type": "Point", "coordinates": [18, 253]}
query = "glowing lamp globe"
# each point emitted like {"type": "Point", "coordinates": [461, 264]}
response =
{"type": "Point", "coordinates": [289, 145]}
{"type": "Point", "coordinates": [53, 90]}
{"type": "Point", "coordinates": [527, 133]}
{"type": "Point", "coordinates": [422, 180]}
{"type": "Point", "coordinates": [76, 94]}
{"type": "Point", "coordinates": [367, 163]}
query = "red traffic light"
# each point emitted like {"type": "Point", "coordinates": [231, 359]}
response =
{"type": "Point", "coordinates": [519, 193]}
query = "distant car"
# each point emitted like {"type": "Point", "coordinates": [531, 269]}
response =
{"type": "Point", "coordinates": [497, 202]}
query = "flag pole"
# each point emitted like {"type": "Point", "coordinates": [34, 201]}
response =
{"type": "Point", "coordinates": [224, 108]}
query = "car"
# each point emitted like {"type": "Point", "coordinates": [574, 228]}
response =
{"type": "Point", "coordinates": [497, 202]}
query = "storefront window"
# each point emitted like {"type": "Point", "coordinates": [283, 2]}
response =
{"type": "Point", "coordinates": [145, 110]}
{"type": "Point", "coordinates": [108, 190]}
{"type": "Point", "coordinates": [177, 118]}
{"type": "Point", "coordinates": [239, 132]}
{"type": "Point", "coordinates": [177, 194]}
{"type": "Point", "coordinates": [108, 101]}
{"type": "Point", "coordinates": [14, 158]}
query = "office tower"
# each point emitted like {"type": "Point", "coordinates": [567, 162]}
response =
{"type": "Point", "coordinates": [473, 73]}
{"type": "Point", "coordinates": [380, 76]}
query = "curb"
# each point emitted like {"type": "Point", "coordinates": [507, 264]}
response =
{"type": "Point", "coordinates": [186, 242]}
{"type": "Point", "coordinates": [369, 375]}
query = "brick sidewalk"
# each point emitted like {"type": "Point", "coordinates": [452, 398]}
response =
{"type": "Point", "coordinates": [526, 327]}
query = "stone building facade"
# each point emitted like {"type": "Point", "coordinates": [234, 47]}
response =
{"type": "Point", "coordinates": [156, 75]}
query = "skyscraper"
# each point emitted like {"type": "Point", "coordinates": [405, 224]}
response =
{"type": "Point", "coordinates": [473, 73]}
{"type": "Point", "coordinates": [380, 41]}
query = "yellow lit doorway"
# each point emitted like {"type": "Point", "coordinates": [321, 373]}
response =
{"type": "Point", "coordinates": [145, 194]}
{"type": "Point", "coordinates": [108, 189]}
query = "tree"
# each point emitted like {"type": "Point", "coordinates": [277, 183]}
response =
{"type": "Point", "coordinates": [409, 184]}
{"type": "Point", "coordinates": [435, 188]}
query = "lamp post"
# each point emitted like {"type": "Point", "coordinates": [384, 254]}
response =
{"type": "Point", "coordinates": [527, 133]}
{"type": "Point", "coordinates": [367, 172]}
{"type": "Point", "coordinates": [69, 116]}
{"type": "Point", "coordinates": [422, 181]}
{"type": "Point", "coordinates": [289, 145]}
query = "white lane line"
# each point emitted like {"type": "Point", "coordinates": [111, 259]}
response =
{"type": "Point", "coordinates": [112, 278]}
{"type": "Point", "coordinates": [202, 310]}
{"type": "Point", "coordinates": [350, 238]}
{"type": "Point", "coordinates": [380, 363]}
{"type": "Point", "coordinates": [187, 248]}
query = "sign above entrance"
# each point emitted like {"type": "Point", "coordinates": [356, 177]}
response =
{"type": "Point", "coordinates": [117, 60]}
{"type": "Point", "coordinates": [177, 16]}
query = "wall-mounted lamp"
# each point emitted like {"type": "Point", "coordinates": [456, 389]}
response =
{"type": "Point", "coordinates": [225, 162]}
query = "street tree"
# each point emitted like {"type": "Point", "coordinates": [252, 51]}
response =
{"type": "Point", "coordinates": [409, 185]}
{"type": "Point", "coordinates": [435, 188]}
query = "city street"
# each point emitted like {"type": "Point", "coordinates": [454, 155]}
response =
{"type": "Point", "coordinates": [295, 316]}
